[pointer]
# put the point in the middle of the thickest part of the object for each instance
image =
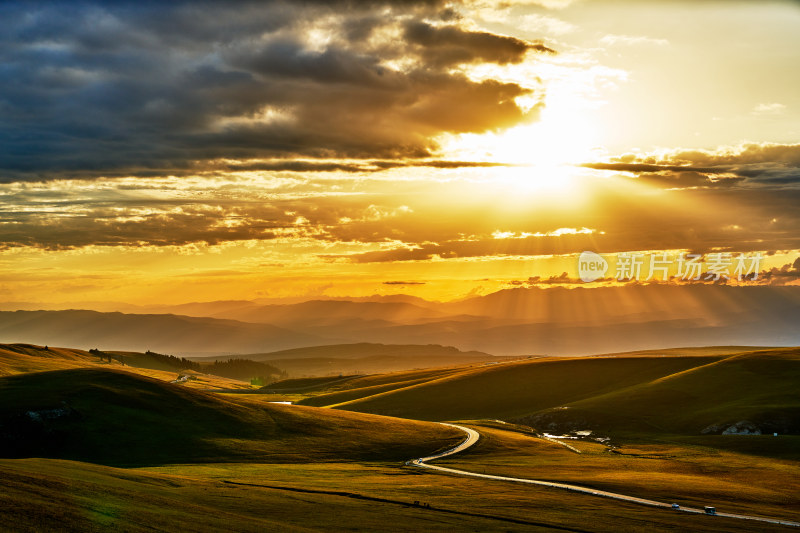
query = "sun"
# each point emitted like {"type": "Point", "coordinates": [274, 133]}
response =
{"type": "Point", "coordinates": [545, 155]}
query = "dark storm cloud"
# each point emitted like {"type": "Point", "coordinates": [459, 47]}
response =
{"type": "Point", "coordinates": [101, 88]}
{"type": "Point", "coordinates": [448, 45]}
{"type": "Point", "coordinates": [750, 165]}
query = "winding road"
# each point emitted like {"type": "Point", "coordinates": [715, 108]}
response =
{"type": "Point", "coordinates": [473, 436]}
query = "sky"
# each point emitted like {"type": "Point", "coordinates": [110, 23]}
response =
{"type": "Point", "coordinates": [197, 151]}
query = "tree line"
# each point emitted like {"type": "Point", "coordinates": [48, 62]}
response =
{"type": "Point", "coordinates": [245, 370]}
{"type": "Point", "coordinates": [148, 359]}
{"type": "Point", "coordinates": [242, 369]}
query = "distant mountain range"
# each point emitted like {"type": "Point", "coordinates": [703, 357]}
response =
{"type": "Point", "coordinates": [521, 321]}
{"type": "Point", "coordinates": [173, 334]}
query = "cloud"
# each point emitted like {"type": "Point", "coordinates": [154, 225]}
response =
{"type": "Point", "coordinates": [786, 274]}
{"type": "Point", "coordinates": [372, 218]}
{"type": "Point", "coordinates": [631, 40]}
{"type": "Point", "coordinates": [768, 109]}
{"type": "Point", "coordinates": [548, 4]}
{"type": "Point", "coordinates": [750, 165]}
{"type": "Point", "coordinates": [442, 46]}
{"type": "Point", "coordinates": [475, 248]}
{"type": "Point", "coordinates": [299, 165]}
{"type": "Point", "coordinates": [103, 89]}
{"type": "Point", "coordinates": [533, 281]}
{"type": "Point", "coordinates": [546, 24]}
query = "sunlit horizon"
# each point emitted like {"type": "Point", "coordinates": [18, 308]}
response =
{"type": "Point", "coordinates": [437, 154]}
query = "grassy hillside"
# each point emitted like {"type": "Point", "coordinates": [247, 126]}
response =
{"type": "Point", "coordinates": [365, 358]}
{"type": "Point", "coordinates": [27, 358]}
{"type": "Point", "coordinates": [642, 392]}
{"type": "Point", "coordinates": [688, 474]}
{"type": "Point", "coordinates": [306, 384]}
{"type": "Point", "coordinates": [113, 417]}
{"type": "Point", "coordinates": [22, 358]}
{"type": "Point", "coordinates": [236, 462]}
{"type": "Point", "coordinates": [759, 387]}
{"type": "Point", "coordinates": [689, 350]}
{"type": "Point", "coordinates": [330, 390]}
{"type": "Point", "coordinates": [41, 494]}
{"type": "Point", "coordinates": [516, 389]}
{"type": "Point", "coordinates": [370, 385]}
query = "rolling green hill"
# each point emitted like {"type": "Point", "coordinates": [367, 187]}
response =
{"type": "Point", "coordinates": [365, 358]}
{"type": "Point", "coordinates": [757, 389]}
{"type": "Point", "coordinates": [646, 392]}
{"type": "Point", "coordinates": [517, 389]}
{"type": "Point", "coordinates": [118, 418]}
{"type": "Point", "coordinates": [366, 386]}
{"type": "Point", "coordinates": [28, 358]}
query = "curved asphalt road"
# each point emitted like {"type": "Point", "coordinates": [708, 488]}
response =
{"type": "Point", "coordinates": [473, 436]}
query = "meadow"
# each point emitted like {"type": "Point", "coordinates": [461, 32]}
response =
{"type": "Point", "coordinates": [122, 447]}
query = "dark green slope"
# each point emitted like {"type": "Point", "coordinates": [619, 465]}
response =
{"type": "Point", "coordinates": [118, 418]}
{"type": "Point", "coordinates": [759, 389]}
{"type": "Point", "coordinates": [516, 389]}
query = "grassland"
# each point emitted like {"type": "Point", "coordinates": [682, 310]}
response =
{"type": "Point", "coordinates": [759, 387]}
{"type": "Point", "coordinates": [127, 451]}
{"type": "Point", "coordinates": [29, 358]}
{"type": "Point", "coordinates": [623, 396]}
{"type": "Point", "coordinates": [371, 496]}
{"type": "Point", "coordinates": [519, 388]}
{"type": "Point", "coordinates": [368, 386]}
{"type": "Point", "coordinates": [690, 474]}
{"type": "Point", "coordinates": [117, 418]}
{"type": "Point", "coordinates": [367, 358]}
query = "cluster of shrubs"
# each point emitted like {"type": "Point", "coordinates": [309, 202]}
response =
{"type": "Point", "coordinates": [103, 355]}
{"type": "Point", "coordinates": [242, 369]}
{"type": "Point", "coordinates": [171, 360]}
